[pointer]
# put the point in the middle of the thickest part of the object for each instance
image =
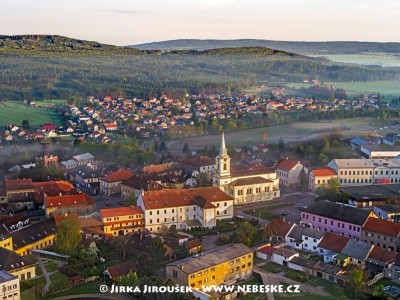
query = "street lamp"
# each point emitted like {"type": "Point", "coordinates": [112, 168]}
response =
{"type": "Point", "coordinates": [104, 268]}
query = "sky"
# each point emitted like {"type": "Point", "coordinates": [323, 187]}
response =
{"type": "Point", "coordinates": [129, 22]}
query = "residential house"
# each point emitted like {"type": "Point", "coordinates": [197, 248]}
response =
{"type": "Point", "coordinates": [202, 164]}
{"type": "Point", "coordinates": [83, 159]}
{"type": "Point", "coordinates": [302, 238]}
{"type": "Point", "coordinates": [288, 171]}
{"type": "Point", "coordinates": [331, 245]}
{"type": "Point", "coordinates": [354, 253]}
{"type": "Point", "coordinates": [185, 208]}
{"type": "Point", "coordinates": [16, 265]}
{"type": "Point", "coordinates": [283, 255]}
{"type": "Point", "coordinates": [122, 220]}
{"type": "Point", "coordinates": [137, 184]}
{"type": "Point", "coordinates": [194, 246]}
{"type": "Point", "coordinates": [280, 230]}
{"type": "Point", "coordinates": [219, 266]}
{"type": "Point", "coordinates": [88, 177]}
{"type": "Point", "coordinates": [171, 168]}
{"type": "Point", "coordinates": [388, 212]}
{"type": "Point", "coordinates": [111, 183]}
{"type": "Point", "coordinates": [327, 216]}
{"type": "Point", "coordinates": [381, 233]}
{"type": "Point", "coordinates": [378, 259]}
{"type": "Point", "coordinates": [80, 204]}
{"type": "Point", "coordinates": [265, 252]}
{"type": "Point", "coordinates": [116, 272]}
{"type": "Point", "coordinates": [20, 194]}
{"type": "Point", "coordinates": [318, 178]}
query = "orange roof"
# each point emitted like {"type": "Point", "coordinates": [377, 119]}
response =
{"type": "Point", "coordinates": [118, 176]}
{"type": "Point", "coordinates": [59, 218]}
{"type": "Point", "coordinates": [333, 242]}
{"type": "Point", "coordinates": [68, 200]}
{"type": "Point", "coordinates": [161, 167]}
{"type": "Point", "coordinates": [382, 226]}
{"type": "Point", "coordinates": [52, 188]}
{"type": "Point", "coordinates": [267, 250]}
{"type": "Point", "coordinates": [121, 211]}
{"type": "Point", "coordinates": [184, 197]}
{"type": "Point", "coordinates": [324, 172]}
{"type": "Point", "coordinates": [382, 255]}
{"type": "Point", "coordinates": [287, 164]}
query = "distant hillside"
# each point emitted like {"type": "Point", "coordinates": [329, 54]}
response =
{"type": "Point", "coordinates": [295, 47]}
{"type": "Point", "coordinates": [55, 43]}
{"type": "Point", "coordinates": [56, 67]}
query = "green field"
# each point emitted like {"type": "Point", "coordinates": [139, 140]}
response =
{"type": "Point", "coordinates": [389, 89]}
{"type": "Point", "coordinates": [381, 59]}
{"type": "Point", "coordinates": [289, 133]}
{"type": "Point", "coordinates": [16, 112]}
{"type": "Point", "coordinates": [50, 102]}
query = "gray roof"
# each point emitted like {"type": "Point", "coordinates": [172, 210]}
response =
{"type": "Point", "coordinates": [33, 233]}
{"type": "Point", "coordinates": [359, 141]}
{"type": "Point", "coordinates": [193, 264]}
{"type": "Point", "coordinates": [372, 192]}
{"type": "Point", "coordinates": [356, 249]}
{"type": "Point", "coordinates": [85, 156]}
{"type": "Point", "coordinates": [69, 163]}
{"type": "Point", "coordinates": [315, 234]}
{"type": "Point", "coordinates": [365, 163]}
{"type": "Point", "coordinates": [285, 252]}
{"type": "Point", "coordinates": [338, 212]}
{"type": "Point", "coordinates": [296, 233]}
{"type": "Point", "coordinates": [5, 276]}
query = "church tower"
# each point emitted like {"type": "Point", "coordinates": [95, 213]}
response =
{"type": "Point", "coordinates": [223, 165]}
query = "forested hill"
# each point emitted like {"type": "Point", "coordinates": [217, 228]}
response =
{"type": "Point", "coordinates": [54, 67]}
{"type": "Point", "coordinates": [295, 47]}
{"type": "Point", "coordinates": [56, 43]}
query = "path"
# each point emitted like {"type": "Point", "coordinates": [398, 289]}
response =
{"type": "Point", "coordinates": [277, 278]}
{"type": "Point", "coordinates": [47, 274]}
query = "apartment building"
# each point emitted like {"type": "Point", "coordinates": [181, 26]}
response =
{"type": "Point", "coordinates": [222, 266]}
{"type": "Point", "coordinates": [122, 220]}
{"type": "Point", "coordinates": [288, 171]}
{"type": "Point", "coordinates": [320, 177]}
{"type": "Point", "coordinates": [382, 233]}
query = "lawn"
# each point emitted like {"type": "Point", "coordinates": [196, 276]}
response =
{"type": "Point", "coordinates": [88, 288]}
{"type": "Point", "coordinates": [296, 275]}
{"type": "Point", "coordinates": [250, 296]}
{"type": "Point", "coordinates": [50, 102]}
{"type": "Point", "coordinates": [58, 281]}
{"type": "Point", "coordinates": [381, 59]}
{"type": "Point", "coordinates": [17, 111]}
{"type": "Point", "coordinates": [265, 212]}
{"type": "Point", "coordinates": [51, 266]}
{"type": "Point", "coordinates": [273, 267]}
{"type": "Point", "coordinates": [390, 89]}
{"type": "Point", "coordinates": [222, 226]}
{"type": "Point", "coordinates": [38, 271]}
{"type": "Point", "coordinates": [329, 287]}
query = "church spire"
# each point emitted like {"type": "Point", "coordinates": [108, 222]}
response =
{"type": "Point", "coordinates": [223, 150]}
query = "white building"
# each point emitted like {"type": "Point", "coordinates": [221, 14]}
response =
{"type": "Point", "coordinates": [366, 171]}
{"type": "Point", "coordinates": [376, 151]}
{"type": "Point", "coordinates": [9, 286]}
{"type": "Point", "coordinates": [185, 208]}
{"type": "Point", "coordinates": [320, 177]}
{"type": "Point", "coordinates": [244, 184]}
{"type": "Point", "coordinates": [288, 171]}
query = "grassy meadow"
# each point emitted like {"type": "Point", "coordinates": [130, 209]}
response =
{"type": "Point", "coordinates": [17, 111]}
{"type": "Point", "coordinates": [381, 59]}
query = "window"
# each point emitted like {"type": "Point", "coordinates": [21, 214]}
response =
{"type": "Point", "coordinates": [212, 270]}
{"type": "Point", "coordinates": [175, 273]}
{"type": "Point", "coordinates": [192, 276]}
{"type": "Point", "coordinates": [199, 274]}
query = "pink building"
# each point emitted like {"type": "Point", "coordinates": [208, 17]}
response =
{"type": "Point", "coordinates": [336, 218]}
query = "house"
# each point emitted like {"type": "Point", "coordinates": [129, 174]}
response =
{"type": "Point", "coordinates": [202, 164]}
{"type": "Point", "coordinates": [185, 208]}
{"type": "Point", "coordinates": [318, 178]}
{"type": "Point", "coordinates": [20, 194]}
{"type": "Point", "coordinates": [80, 204]}
{"type": "Point", "coordinates": [122, 220]}
{"type": "Point", "coordinates": [171, 168]}
{"type": "Point", "coordinates": [10, 285]}
{"type": "Point", "coordinates": [388, 212]}
{"type": "Point", "coordinates": [301, 264]}
{"type": "Point", "coordinates": [194, 246]}
{"type": "Point", "coordinates": [280, 230]}
{"type": "Point", "coordinates": [225, 265]}
{"type": "Point", "coordinates": [311, 239]}
{"type": "Point", "coordinates": [378, 259]}
{"type": "Point", "coordinates": [83, 159]}
{"type": "Point", "coordinates": [381, 233]}
{"type": "Point", "coordinates": [52, 188]}
{"type": "Point", "coordinates": [115, 272]}
{"type": "Point", "coordinates": [370, 195]}
{"type": "Point", "coordinates": [16, 265]}
{"type": "Point", "coordinates": [288, 171]}
{"type": "Point", "coordinates": [111, 183]}
{"type": "Point", "coordinates": [88, 177]}
{"type": "Point", "coordinates": [327, 216]}
{"type": "Point", "coordinates": [244, 184]}
{"type": "Point", "coordinates": [331, 245]}
{"type": "Point", "coordinates": [265, 252]}
{"type": "Point", "coordinates": [137, 184]}
{"type": "Point", "coordinates": [354, 253]}
{"type": "Point", "coordinates": [282, 256]}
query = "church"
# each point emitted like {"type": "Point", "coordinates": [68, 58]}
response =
{"type": "Point", "coordinates": [245, 185]}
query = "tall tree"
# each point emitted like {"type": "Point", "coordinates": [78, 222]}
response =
{"type": "Point", "coordinates": [356, 281]}
{"type": "Point", "coordinates": [68, 236]}
{"type": "Point", "coordinates": [245, 233]}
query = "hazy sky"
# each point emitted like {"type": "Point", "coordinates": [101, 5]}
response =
{"type": "Point", "coordinates": [124, 22]}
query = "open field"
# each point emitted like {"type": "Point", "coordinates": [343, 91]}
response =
{"type": "Point", "coordinates": [389, 89]}
{"type": "Point", "coordinates": [51, 102]}
{"type": "Point", "coordinates": [381, 59]}
{"type": "Point", "coordinates": [16, 112]}
{"type": "Point", "coordinates": [293, 132]}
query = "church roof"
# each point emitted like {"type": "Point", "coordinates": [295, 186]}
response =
{"type": "Point", "coordinates": [250, 181]}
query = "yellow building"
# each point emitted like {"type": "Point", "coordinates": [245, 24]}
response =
{"type": "Point", "coordinates": [122, 220]}
{"type": "Point", "coordinates": [36, 236]}
{"type": "Point", "coordinates": [225, 266]}
{"type": "Point", "coordinates": [16, 265]}
{"type": "Point", "coordinates": [6, 242]}
{"type": "Point", "coordinates": [243, 183]}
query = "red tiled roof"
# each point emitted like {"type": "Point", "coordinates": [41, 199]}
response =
{"type": "Point", "coordinates": [68, 200]}
{"type": "Point", "coordinates": [183, 197]}
{"type": "Point", "coordinates": [382, 255]}
{"type": "Point", "coordinates": [333, 242]}
{"type": "Point", "coordinates": [267, 250]}
{"type": "Point", "coordinates": [118, 176]}
{"type": "Point", "coordinates": [282, 227]}
{"type": "Point", "coordinates": [381, 226]}
{"type": "Point", "coordinates": [59, 218]}
{"type": "Point", "coordinates": [161, 168]}
{"type": "Point", "coordinates": [287, 164]}
{"type": "Point", "coordinates": [122, 269]}
{"type": "Point", "coordinates": [121, 211]}
{"type": "Point", "coordinates": [324, 172]}
{"type": "Point", "coordinates": [19, 184]}
{"type": "Point", "coordinates": [199, 161]}
{"type": "Point", "coordinates": [52, 188]}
